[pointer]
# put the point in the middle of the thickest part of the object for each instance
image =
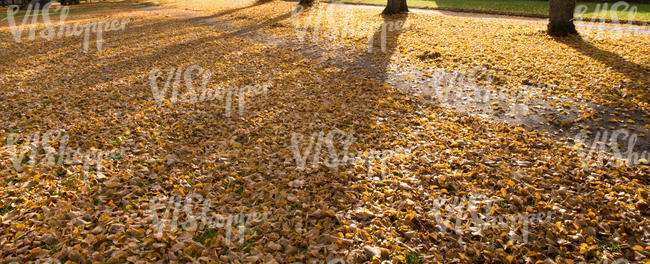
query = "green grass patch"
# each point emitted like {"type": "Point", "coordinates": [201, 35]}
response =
{"type": "Point", "coordinates": [615, 247]}
{"type": "Point", "coordinates": [413, 258]}
{"type": "Point", "coordinates": [208, 234]}
{"type": "Point", "coordinates": [6, 209]}
{"type": "Point", "coordinates": [520, 8]}
{"type": "Point", "coordinates": [69, 182]}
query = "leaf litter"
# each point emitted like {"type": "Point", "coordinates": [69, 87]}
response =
{"type": "Point", "coordinates": [246, 164]}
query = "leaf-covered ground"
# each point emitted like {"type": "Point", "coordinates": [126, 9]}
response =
{"type": "Point", "coordinates": [244, 163]}
{"type": "Point", "coordinates": [517, 7]}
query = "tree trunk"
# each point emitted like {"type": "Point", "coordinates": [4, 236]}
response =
{"type": "Point", "coordinates": [395, 7]}
{"type": "Point", "coordinates": [41, 3]}
{"type": "Point", "coordinates": [561, 18]}
{"type": "Point", "coordinates": [308, 3]}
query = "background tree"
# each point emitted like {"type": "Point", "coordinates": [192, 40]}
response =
{"type": "Point", "coordinates": [307, 3]}
{"type": "Point", "coordinates": [395, 7]}
{"type": "Point", "coordinates": [561, 17]}
{"type": "Point", "coordinates": [41, 3]}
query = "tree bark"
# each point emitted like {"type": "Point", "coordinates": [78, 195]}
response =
{"type": "Point", "coordinates": [308, 3]}
{"type": "Point", "coordinates": [41, 3]}
{"type": "Point", "coordinates": [395, 7]}
{"type": "Point", "coordinates": [561, 18]}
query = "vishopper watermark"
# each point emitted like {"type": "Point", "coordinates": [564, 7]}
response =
{"type": "Point", "coordinates": [371, 158]}
{"type": "Point", "coordinates": [320, 17]}
{"type": "Point", "coordinates": [605, 13]}
{"type": "Point", "coordinates": [322, 20]}
{"type": "Point", "coordinates": [452, 87]}
{"type": "Point", "coordinates": [177, 77]}
{"type": "Point", "coordinates": [463, 214]}
{"type": "Point", "coordinates": [177, 207]}
{"type": "Point", "coordinates": [604, 148]}
{"type": "Point", "coordinates": [388, 26]}
{"type": "Point", "coordinates": [51, 32]}
{"type": "Point", "coordinates": [41, 152]}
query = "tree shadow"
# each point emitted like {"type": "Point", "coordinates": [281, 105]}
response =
{"type": "Point", "coordinates": [357, 87]}
{"type": "Point", "coordinates": [375, 60]}
{"type": "Point", "coordinates": [250, 29]}
{"type": "Point", "coordinates": [384, 42]}
{"type": "Point", "coordinates": [614, 61]}
{"type": "Point", "coordinates": [227, 12]}
{"type": "Point", "coordinates": [28, 49]}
